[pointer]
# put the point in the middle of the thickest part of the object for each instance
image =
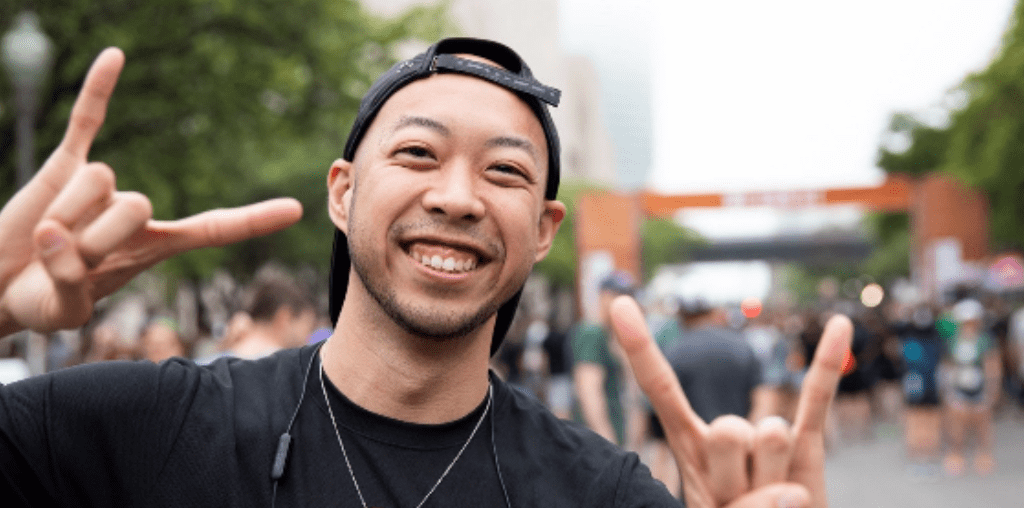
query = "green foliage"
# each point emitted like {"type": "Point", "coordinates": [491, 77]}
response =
{"type": "Point", "coordinates": [986, 144]}
{"type": "Point", "coordinates": [665, 242]}
{"type": "Point", "coordinates": [927, 148]}
{"type": "Point", "coordinates": [221, 103]}
{"type": "Point", "coordinates": [890, 259]}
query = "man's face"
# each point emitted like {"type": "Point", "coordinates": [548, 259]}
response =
{"type": "Point", "coordinates": [444, 204]}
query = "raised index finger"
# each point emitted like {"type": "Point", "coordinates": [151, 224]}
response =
{"type": "Point", "coordinates": [819, 386]}
{"type": "Point", "coordinates": [91, 106]}
{"type": "Point", "coordinates": [652, 371]}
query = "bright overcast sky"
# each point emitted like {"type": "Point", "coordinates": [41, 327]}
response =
{"type": "Point", "coordinates": [783, 94]}
{"type": "Point", "coordinates": [750, 94]}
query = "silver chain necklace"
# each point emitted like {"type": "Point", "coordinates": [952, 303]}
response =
{"type": "Point", "coordinates": [490, 395]}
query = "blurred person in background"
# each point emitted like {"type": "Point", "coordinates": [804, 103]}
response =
{"type": "Point", "coordinates": [161, 340]}
{"type": "Point", "coordinates": [921, 353]}
{"type": "Point", "coordinates": [1000, 311]}
{"type": "Point", "coordinates": [599, 366]}
{"type": "Point", "coordinates": [973, 386]}
{"type": "Point", "coordinates": [853, 412]}
{"type": "Point", "coordinates": [772, 350]}
{"type": "Point", "coordinates": [508, 360]}
{"type": "Point", "coordinates": [105, 342]}
{"type": "Point", "coordinates": [664, 323]}
{"type": "Point", "coordinates": [887, 395]}
{"type": "Point", "coordinates": [1015, 339]}
{"type": "Point", "coordinates": [278, 315]}
{"type": "Point", "coordinates": [559, 394]}
{"type": "Point", "coordinates": [534, 361]}
{"type": "Point", "coordinates": [715, 364]}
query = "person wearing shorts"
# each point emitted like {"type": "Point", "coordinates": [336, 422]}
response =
{"type": "Point", "coordinates": [973, 385]}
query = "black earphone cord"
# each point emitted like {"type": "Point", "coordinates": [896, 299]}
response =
{"type": "Point", "coordinates": [284, 442]}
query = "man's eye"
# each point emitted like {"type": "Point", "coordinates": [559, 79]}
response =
{"type": "Point", "coordinates": [510, 170]}
{"type": "Point", "coordinates": [414, 151]}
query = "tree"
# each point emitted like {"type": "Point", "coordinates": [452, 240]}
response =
{"type": "Point", "coordinates": [665, 242]}
{"type": "Point", "coordinates": [921, 149]}
{"type": "Point", "coordinates": [986, 137]}
{"type": "Point", "coordinates": [221, 103]}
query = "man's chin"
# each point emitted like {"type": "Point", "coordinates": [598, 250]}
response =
{"type": "Point", "coordinates": [441, 328]}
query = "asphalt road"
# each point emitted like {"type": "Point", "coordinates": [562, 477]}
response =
{"type": "Point", "coordinates": [876, 474]}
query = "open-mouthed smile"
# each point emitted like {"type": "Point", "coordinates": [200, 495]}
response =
{"type": "Point", "coordinates": [443, 258]}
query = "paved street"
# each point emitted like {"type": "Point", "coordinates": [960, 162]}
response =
{"type": "Point", "coordinates": [876, 475]}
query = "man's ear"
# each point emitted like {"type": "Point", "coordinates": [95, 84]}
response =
{"type": "Point", "coordinates": [550, 219]}
{"type": "Point", "coordinates": [339, 192]}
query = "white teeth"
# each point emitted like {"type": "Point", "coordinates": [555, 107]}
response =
{"type": "Point", "coordinates": [447, 264]}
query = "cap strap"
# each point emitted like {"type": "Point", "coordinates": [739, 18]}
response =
{"type": "Point", "coordinates": [497, 76]}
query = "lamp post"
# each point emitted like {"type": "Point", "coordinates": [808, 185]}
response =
{"type": "Point", "coordinates": [27, 55]}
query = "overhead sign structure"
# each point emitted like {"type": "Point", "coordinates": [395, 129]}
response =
{"type": "Point", "coordinates": [940, 206]}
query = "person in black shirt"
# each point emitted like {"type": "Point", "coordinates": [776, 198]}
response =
{"type": "Point", "coordinates": [444, 199]}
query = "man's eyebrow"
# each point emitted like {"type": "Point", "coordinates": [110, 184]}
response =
{"type": "Point", "coordinates": [513, 142]}
{"type": "Point", "coordinates": [422, 121]}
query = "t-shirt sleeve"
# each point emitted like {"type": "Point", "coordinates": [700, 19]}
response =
{"type": "Point", "coordinates": [588, 343]}
{"type": "Point", "coordinates": [94, 433]}
{"type": "Point", "coordinates": [638, 489]}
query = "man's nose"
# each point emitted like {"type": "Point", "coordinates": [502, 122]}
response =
{"type": "Point", "coordinates": [455, 193]}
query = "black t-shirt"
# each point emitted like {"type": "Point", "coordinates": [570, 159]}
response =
{"type": "Point", "coordinates": [178, 434]}
{"type": "Point", "coordinates": [717, 369]}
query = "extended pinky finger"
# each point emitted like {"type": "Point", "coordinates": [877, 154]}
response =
{"type": "Point", "coordinates": [129, 212]}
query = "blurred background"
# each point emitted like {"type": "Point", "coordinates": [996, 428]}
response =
{"type": "Point", "coordinates": [780, 161]}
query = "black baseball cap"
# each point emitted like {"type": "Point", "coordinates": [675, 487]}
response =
{"type": "Point", "coordinates": [514, 75]}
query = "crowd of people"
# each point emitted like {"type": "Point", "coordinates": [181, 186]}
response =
{"type": "Point", "coordinates": [273, 312]}
{"type": "Point", "coordinates": [939, 373]}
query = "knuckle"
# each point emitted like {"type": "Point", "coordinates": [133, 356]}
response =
{"type": "Point", "coordinates": [137, 203]}
{"type": "Point", "coordinates": [774, 441]}
{"type": "Point", "coordinates": [102, 174]}
{"type": "Point", "coordinates": [730, 432]}
{"type": "Point", "coordinates": [85, 122]}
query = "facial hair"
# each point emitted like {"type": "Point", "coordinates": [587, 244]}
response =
{"type": "Point", "coordinates": [435, 322]}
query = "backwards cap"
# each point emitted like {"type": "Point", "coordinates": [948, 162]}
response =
{"type": "Point", "coordinates": [440, 58]}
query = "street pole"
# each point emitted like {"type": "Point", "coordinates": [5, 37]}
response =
{"type": "Point", "coordinates": [27, 55]}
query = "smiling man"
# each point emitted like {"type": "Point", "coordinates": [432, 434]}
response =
{"type": "Point", "coordinates": [444, 199]}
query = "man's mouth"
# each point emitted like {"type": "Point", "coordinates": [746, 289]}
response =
{"type": "Point", "coordinates": [443, 258]}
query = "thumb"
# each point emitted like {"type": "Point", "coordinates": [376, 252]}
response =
{"type": "Point", "coordinates": [778, 495]}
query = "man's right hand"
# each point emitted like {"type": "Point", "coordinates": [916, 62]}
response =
{"type": "Point", "coordinates": [69, 237]}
